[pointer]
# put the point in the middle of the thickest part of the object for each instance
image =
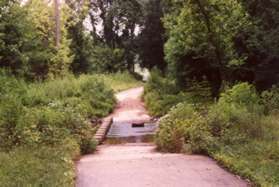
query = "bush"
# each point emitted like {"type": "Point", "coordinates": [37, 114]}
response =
{"type": "Point", "coordinates": [161, 94]}
{"type": "Point", "coordinates": [45, 125]}
{"type": "Point", "coordinates": [41, 126]}
{"type": "Point", "coordinates": [88, 145]}
{"type": "Point", "coordinates": [234, 131]}
{"type": "Point", "coordinates": [48, 112]}
{"type": "Point", "coordinates": [39, 166]}
{"type": "Point", "coordinates": [11, 108]}
{"type": "Point", "coordinates": [106, 59]}
{"type": "Point", "coordinates": [120, 81]}
{"type": "Point", "coordinates": [99, 96]}
{"type": "Point", "coordinates": [238, 111]}
{"type": "Point", "coordinates": [183, 129]}
{"type": "Point", "coordinates": [242, 94]}
{"type": "Point", "coordinates": [270, 99]}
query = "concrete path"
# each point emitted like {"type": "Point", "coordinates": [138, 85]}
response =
{"type": "Point", "coordinates": [130, 109]}
{"type": "Point", "coordinates": [139, 165]}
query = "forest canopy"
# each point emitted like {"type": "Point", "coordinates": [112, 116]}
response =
{"type": "Point", "coordinates": [217, 41]}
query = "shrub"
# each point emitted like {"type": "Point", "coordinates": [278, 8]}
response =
{"type": "Point", "coordinates": [161, 94]}
{"type": "Point", "coordinates": [99, 96]}
{"type": "Point", "coordinates": [183, 129]}
{"type": "Point", "coordinates": [88, 145]}
{"type": "Point", "coordinates": [10, 86]}
{"type": "Point", "coordinates": [46, 113]}
{"type": "Point", "coordinates": [242, 94]}
{"type": "Point", "coordinates": [238, 111]}
{"type": "Point", "coordinates": [106, 59]}
{"type": "Point", "coordinates": [234, 131]}
{"type": "Point", "coordinates": [120, 81]}
{"type": "Point", "coordinates": [43, 126]}
{"type": "Point", "coordinates": [10, 111]}
{"type": "Point", "coordinates": [39, 166]}
{"type": "Point", "coordinates": [270, 99]}
{"type": "Point", "coordinates": [11, 108]}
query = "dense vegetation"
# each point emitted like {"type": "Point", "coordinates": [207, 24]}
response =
{"type": "Point", "coordinates": [240, 130]}
{"type": "Point", "coordinates": [222, 41]}
{"type": "Point", "coordinates": [48, 115]}
{"type": "Point", "coordinates": [219, 93]}
{"type": "Point", "coordinates": [215, 78]}
{"type": "Point", "coordinates": [43, 126]}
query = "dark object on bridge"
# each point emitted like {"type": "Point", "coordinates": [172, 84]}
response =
{"type": "Point", "coordinates": [136, 125]}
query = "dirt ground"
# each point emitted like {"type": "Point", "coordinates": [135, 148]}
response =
{"type": "Point", "coordinates": [139, 165]}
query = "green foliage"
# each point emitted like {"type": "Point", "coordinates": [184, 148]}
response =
{"type": "Point", "coordinates": [120, 81]}
{"type": "Point", "coordinates": [200, 44]}
{"type": "Point", "coordinates": [234, 131]}
{"type": "Point", "coordinates": [161, 94]}
{"type": "Point", "coordinates": [45, 113]}
{"type": "Point", "coordinates": [151, 39]}
{"type": "Point", "coordinates": [260, 43]}
{"type": "Point", "coordinates": [106, 59]}
{"type": "Point", "coordinates": [183, 129]}
{"type": "Point", "coordinates": [27, 45]}
{"type": "Point", "coordinates": [53, 119]}
{"type": "Point", "coordinates": [40, 166]}
{"type": "Point", "coordinates": [236, 116]}
{"type": "Point", "coordinates": [41, 16]}
{"type": "Point", "coordinates": [241, 94]}
{"type": "Point", "coordinates": [170, 136]}
{"type": "Point", "coordinates": [99, 97]}
{"type": "Point", "coordinates": [120, 21]}
{"type": "Point", "coordinates": [270, 100]}
{"type": "Point", "coordinates": [255, 158]}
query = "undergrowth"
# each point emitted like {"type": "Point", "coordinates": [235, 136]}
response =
{"type": "Point", "coordinates": [240, 130]}
{"type": "Point", "coordinates": [45, 125]}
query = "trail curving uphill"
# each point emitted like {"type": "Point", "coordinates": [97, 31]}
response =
{"type": "Point", "coordinates": [139, 165]}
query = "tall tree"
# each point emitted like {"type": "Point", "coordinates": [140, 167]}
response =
{"type": "Point", "coordinates": [57, 23]}
{"type": "Point", "coordinates": [151, 39]}
{"type": "Point", "coordinates": [22, 47]}
{"type": "Point", "coordinates": [200, 44]}
{"type": "Point", "coordinates": [115, 24]}
{"type": "Point", "coordinates": [81, 42]}
{"type": "Point", "coordinates": [261, 42]}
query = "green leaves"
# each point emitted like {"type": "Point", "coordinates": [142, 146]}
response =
{"type": "Point", "coordinates": [27, 41]}
{"type": "Point", "coordinates": [201, 38]}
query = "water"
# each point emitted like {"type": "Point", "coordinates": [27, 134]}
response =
{"type": "Point", "coordinates": [124, 133]}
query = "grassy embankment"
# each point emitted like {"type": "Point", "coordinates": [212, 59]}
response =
{"type": "Point", "coordinates": [44, 126]}
{"type": "Point", "coordinates": [240, 130]}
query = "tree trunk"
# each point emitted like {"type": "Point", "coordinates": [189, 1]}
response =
{"type": "Point", "coordinates": [57, 23]}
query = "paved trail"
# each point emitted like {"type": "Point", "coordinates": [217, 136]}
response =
{"type": "Point", "coordinates": [139, 165]}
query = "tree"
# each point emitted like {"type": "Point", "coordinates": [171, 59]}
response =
{"type": "Point", "coordinates": [22, 49]}
{"type": "Point", "coordinates": [261, 42]}
{"type": "Point", "coordinates": [151, 39]}
{"type": "Point", "coordinates": [115, 24]}
{"type": "Point", "coordinates": [201, 40]}
{"type": "Point", "coordinates": [27, 40]}
{"type": "Point", "coordinates": [57, 22]}
{"type": "Point", "coordinates": [55, 39]}
{"type": "Point", "coordinates": [81, 42]}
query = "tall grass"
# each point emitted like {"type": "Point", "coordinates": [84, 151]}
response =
{"type": "Point", "coordinates": [120, 81]}
{"type": "Point", "coordinates": [240, 130]}
{"type": "Point", "coordinates": [44, 126]}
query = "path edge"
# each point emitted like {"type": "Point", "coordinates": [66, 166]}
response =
{"type": "Point", "coordinates": [103, 130]}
